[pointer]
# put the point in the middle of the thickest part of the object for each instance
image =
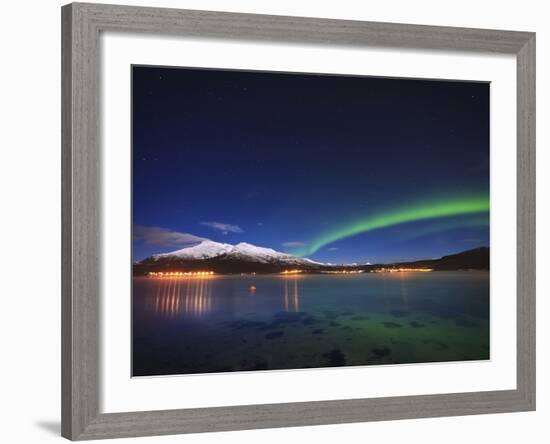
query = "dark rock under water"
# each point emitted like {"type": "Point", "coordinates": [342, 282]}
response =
{"type": "Point", "coordinates": [274, 334]}
{"type": "Point", "coordinates": [391, 325]}
{"type": "Point", "coordinates": [335, 357]}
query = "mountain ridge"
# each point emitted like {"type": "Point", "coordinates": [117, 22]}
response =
{"type": "Point", "coordinates": [223, 258]}
{"type": "Point", "coordinates": [207, 249]}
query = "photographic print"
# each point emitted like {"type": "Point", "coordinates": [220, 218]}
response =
{"type": "Point", "coordinates": [291, 221]}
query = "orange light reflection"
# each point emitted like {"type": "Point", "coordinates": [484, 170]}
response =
{"type": "Point", "coordinates": [292, 295]}
{"type": "Point", "coordinates": [176, 297]}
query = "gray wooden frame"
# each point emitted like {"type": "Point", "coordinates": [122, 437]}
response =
{"type": "Point", "coordinates": [81, 26]}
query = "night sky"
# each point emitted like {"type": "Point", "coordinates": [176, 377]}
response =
{"type": "Point", "coordinates": [335, 168]}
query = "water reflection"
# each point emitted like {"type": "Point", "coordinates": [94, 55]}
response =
{"type": "Point", "coordinates": [177, 296]}
{"type": "Point", "coordinates": [292, 296]}
{"type": "Point", "coordinates": [404, 291]}
{"type": "Point", "coordinates": [184, 325]}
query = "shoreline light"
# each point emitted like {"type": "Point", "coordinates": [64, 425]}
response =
{"type": "Point", "coordinates": [170, 274]}
{"type": "Point", "coordinates": [342, 272]}
{"type": "Point", "coordinates": [402, 270]}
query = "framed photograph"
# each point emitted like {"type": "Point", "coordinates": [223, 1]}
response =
{"type": "Point", "coordinates": [279, 221]}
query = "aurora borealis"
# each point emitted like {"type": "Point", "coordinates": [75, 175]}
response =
{"type": "Point", "coordinates": [434, 210]}
{"type": "Point", "coordinates": [339, 169]}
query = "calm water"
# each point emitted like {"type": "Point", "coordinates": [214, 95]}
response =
{"type": "Point", "coordinates": [192, 325]}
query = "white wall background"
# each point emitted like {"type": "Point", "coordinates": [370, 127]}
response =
{"type": "Point", "coordinates": [30, 220]}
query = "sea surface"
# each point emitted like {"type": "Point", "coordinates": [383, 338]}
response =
{"type": "Point", "coordinates": [185, 325]}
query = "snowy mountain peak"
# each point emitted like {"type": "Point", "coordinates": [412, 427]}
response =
{"type": "Point", "coordinates": [247, 248]}
{"type": "Point", "coordinates": [208, 249]}
{"type": "Point", "coordinates": [203, 250]}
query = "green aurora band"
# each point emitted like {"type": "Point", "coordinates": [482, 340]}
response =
{"type": "Point", "coordinates": [447, 224]}
{"type": "Point", "coordinates": [411, 213]}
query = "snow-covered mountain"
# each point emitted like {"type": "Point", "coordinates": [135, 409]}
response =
{"type": "Point", "coordinates": [208, 249]}
{"type": "Point", "coordinates": [246, 258]}
{"type": "Point", "coordinates": [203, 250]}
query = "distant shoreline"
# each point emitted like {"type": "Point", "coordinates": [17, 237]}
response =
{"type": "Point", "coordinates": [289, 276]}
{"type": "Point", "coordinates": [476, 259]}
